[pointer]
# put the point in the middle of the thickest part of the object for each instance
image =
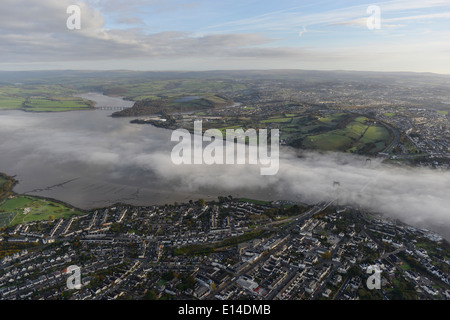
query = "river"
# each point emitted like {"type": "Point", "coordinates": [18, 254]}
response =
{"type": "Point", "coordinates": [90, 160]}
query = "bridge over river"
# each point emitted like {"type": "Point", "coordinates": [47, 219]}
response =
{"type": "Point", "coordinates": [112, 108]}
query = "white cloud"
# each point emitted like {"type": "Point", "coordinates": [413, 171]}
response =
{"type": "Point", "coordinates": [34, 35]}
{"type": "Point", "coordinates": [40, 34]}
{"type": "Point", "coordinates": [106, 153]}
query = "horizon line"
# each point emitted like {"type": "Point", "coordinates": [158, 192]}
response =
{"type": "Point", "coordinates": [224, 70]}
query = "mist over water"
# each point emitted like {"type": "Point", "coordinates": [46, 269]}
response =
{"type": "Point", "coordinates": [89, 159]}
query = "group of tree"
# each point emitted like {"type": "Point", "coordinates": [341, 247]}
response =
{"type": "Point", "coordinates": [284, 211]}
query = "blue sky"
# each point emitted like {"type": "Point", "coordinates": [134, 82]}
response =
{"type": "Point", "coordinates": [245, 34]}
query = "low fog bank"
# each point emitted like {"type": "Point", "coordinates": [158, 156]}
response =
{"type": "Point", "coordinates": [417, 196]}
{"type": "Point", "coordinates": [132, 162]}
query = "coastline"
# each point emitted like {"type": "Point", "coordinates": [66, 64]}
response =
{"type": "Point", "coordinates": [6, 194]}
{"type": "Point", "coordinates": [86, 211]}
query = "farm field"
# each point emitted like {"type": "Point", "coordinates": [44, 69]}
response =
{"type": "Point", "coordinates": [11, 103]}
{"type": "Point", "coordinates": [327, 141]}
{"type": "Point", "coordinates": [355, 137]}
{"type": "Point", "coordinates": [277, 120]}
{"type": "Point", "coordinates": [55, 104]}
{"type": "Point", "coordinates": [22, 209]}
{"type": "Point", "coordinates": [41, 98]}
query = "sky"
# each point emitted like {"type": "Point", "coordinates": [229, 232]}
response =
{"type": "Point", "coordinates": [406, 35]}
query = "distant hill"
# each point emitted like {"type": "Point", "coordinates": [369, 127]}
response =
{"type": "Point", "coordinates": [422, 90]}
{"type": "Point", "coordinates": [121, 76]}
{"type": "Point", "coordinates": [151, 106]}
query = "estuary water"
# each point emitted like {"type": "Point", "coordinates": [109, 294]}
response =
{"type": "Point", "coordinates": [91, 160]}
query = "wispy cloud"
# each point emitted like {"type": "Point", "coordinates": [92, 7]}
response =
{"type": "Point", "coordinates": [362, 22]}
{"type": "Point", "coordinates": [292, 18]}
{"type": "Point", "coordinates": [301, 33]}
{"type": "Point", "coordinates": [432, 16]}
{"type": "Point", "coordinates": [309, 35]}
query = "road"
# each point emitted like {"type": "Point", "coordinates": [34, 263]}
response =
{"type": "Point", "coordinates": [396, 139]}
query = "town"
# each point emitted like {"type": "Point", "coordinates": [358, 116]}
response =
{"type": "Point", "coordinates": [223, 250]}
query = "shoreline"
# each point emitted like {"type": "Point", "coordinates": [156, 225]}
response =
{"type": "Point", "coordinates": [109, 202]}
{"type": "Point", "coordinates": [86, 211]}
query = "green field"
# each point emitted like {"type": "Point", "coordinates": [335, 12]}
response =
{"type": "Point", "coordinates": [11, 103]}
{"type": "Point", "coordinates": [163, 89]}
{"type": "Point", "coordinates": [55, 104]}
{"type": "Point", "coordinates": [41, 98]}
{"type": "Point", "coordinates": [327, 141]}
{"type": "Point", "coordinates": [356, 128]}
{"type": "Point", "coordinates": [203, 102]}
{"type": "Point", "coordinates": [332, 118]}
{"type": "Point", "coordinates": [12, 210]}
{"type": "Point", "coordinates": [277, 120]}
{"type": "Point", "coordinates": [378, 133]}
{"type": "Point", "coordinates": [343, 132]}
{"type": "Point", "coordinates": [443, 112]}
{"type": "Point", "coordinates": [338, 132]}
